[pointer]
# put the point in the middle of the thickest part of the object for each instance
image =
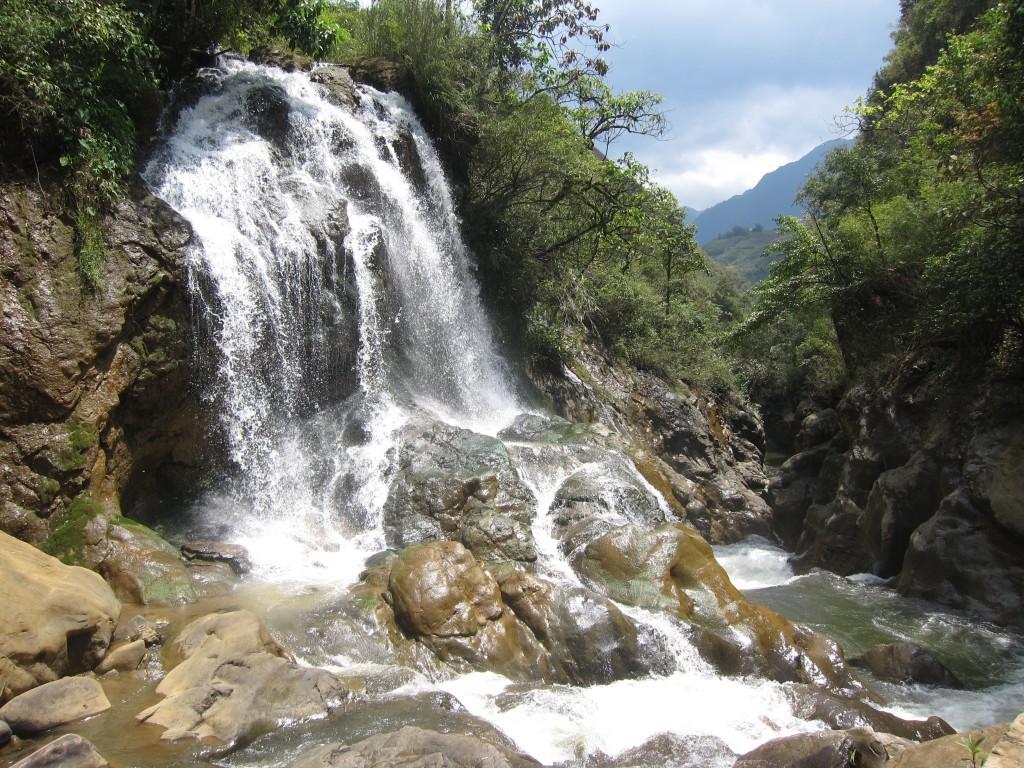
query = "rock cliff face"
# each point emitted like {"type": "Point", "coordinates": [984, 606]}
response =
{"type": "Point", "coordinates": [705, 456]}
{"type": "Point", "coordinates": [95, 388]}
{"type": "Point", "coordinates": [904, 481]}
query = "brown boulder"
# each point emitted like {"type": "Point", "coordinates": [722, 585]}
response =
{"type": "Point", "coordinates": [55, 619]}
{"type": "Point", "coordinates": [672, 568]}
{"type": "Point", "coordinates": [444, 598]}
{"type": "Point", "coordinates": [69, 751]}
{"type": "Point", "coordinates": [588, 637]}
{"type": "Point", "coordinates": [858, 747]}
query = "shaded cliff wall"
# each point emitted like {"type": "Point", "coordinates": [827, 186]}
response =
{"type": "Point", "coordinates": [915, 478]}
{"type": "Point", "coordinates": [94, 384]}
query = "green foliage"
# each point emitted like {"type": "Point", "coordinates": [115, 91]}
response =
{"type": "Point", "coordinates": [973, 746]}
{"type": "Point", "coordinates": [308, 27]}
{"type": "Point", "coordinates": [913, 237]}
{"type": "Point", "coordinates": [76, 83]}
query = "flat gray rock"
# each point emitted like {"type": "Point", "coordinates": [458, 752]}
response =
{"type": "Point", "coordinates": [62, 701]}
{"type": "Point", "coordinates": [68, 751]}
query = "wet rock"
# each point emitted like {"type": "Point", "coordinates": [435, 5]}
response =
{"type": "Point", "coordinates": [268, 114]}
{"type": "Point", "coordinates": [123, 658]}
{"type": "Point", "coordinates": [6, 734]}
{"type": "Point", "coordinates": [859, 747]}
{"type": "Point", "coordinates": [337, 84]}
{"type": "Point", "coordinates": [382, 74]}
{"type": "Point", "coordinates": [236, 680]}
{"type": "Point", "coordinates": [672, 568]}
{"type": "Point", "coordinates": [491, 536]}
{"type": "Point", "coordinates": [442, 597]}
{"type": "Point", "coordinates": [839, 712]}
{"type": "Point", "coordinates": [588, 637]}
{"type": "Point", "coordinates": [905, 663]}
{"type": "Point", "coordinates": [234, 555]}
{"type": "Point", "coordinates": [69, 751]}
{"type": "Point", "coordinates": [458, 485]}
{"type": "Point", "coordinates": [138, 564]}
{"type": "Point", "coordinates": [272, 56]}
{"type": "Point", "coordinates": [416, 748]}
{"type": "Point", "coordinates": [962, 558]}
{"type": "Point", "coordinates": [949, 750]}
{"type": "Point", "coordinates": [55, 619]}
{"type": "Point", "coordinates": [539, 428]}
{"type": "Point", "coordinates": [52, 704]}
{"type": "Point", "coordinates": [138, 628]}
{"type": "Point", "coordinates": [711, 452]}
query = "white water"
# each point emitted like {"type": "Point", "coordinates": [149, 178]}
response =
{"type": "Point", "coordinates": [274, 276]}
{"type": "Point", "coordinates": [311, 456]}
{"type": "Point", "coordinates": [861, 613]}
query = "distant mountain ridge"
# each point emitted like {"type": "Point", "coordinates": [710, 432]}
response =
{"type": "Point", "coordinates": [770, 198]}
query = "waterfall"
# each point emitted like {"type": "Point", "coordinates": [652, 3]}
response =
{"type": "Point", "coordinates": [335, 291]}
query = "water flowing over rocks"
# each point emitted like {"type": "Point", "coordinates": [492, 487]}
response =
{"type": "Point", "coordinates": [55, 620]}
{"type": "Point", "coordinates": [903, 483]}
{"type": "Point", "coordinates": [705, 456]}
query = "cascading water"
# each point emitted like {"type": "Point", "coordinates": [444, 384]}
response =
{"type": "Point", "coordinates": [330, 279]}
{"type": "Point", "coordinates": [326, 245]}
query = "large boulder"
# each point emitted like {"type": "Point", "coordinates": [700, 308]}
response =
{"type": "Point", "coordinates": [454, 484]}
{"type": "Point", "coordinates": [52, 704]}
{"type": "Point", "coordinates": [859, 747]}
{"type": "Point", "coordinates": [905, 663]}
{"type": "Point", "coordinates": [413, 747]}
{"type": "Point", "coordinates": [69, 751]}
{"type": "Point", "coordinates": [672, 568]}
{"type": "Point", "coordinates": [55, 620]}
{"type": "Point", "coordinates": [235, 681]}
{"type": "Point", "coordinates": [590, 640]}
{"type": "Point", "coordinates": [443, 597]}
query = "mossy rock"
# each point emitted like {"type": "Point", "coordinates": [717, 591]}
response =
{"type": "Point", "coordinates": [137, 563]}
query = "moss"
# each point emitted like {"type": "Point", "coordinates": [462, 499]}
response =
{"type": "Point", "coordinates": [82, 437]}
{"type": "Point", "coordinates": [46, 490]}
{"type": "Point", "coordinates": [66, 541]}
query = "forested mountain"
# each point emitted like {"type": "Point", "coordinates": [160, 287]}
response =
{"type": "Point", "coordinates": [773, 196]}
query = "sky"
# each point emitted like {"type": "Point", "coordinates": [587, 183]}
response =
{"type": "Point", "coordinates": [748, 85]}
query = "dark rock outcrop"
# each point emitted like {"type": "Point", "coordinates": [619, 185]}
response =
{"type": "Point", "coordinates": [94, 382]}
{"type": "Point", "coordinates": [905, 663]}
{"type": "Point", "coordinates": [703, 455]}
{"type": "Point", "coordinates": [922, 484]}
